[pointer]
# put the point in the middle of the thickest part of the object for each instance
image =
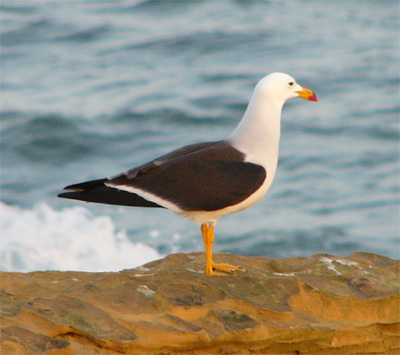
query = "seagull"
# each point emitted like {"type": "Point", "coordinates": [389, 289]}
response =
{"type": "Point", "coordinates": [206, 181]}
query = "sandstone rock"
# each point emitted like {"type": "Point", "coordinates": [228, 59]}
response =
{"type": "Point", "coordinates": [318, 305]}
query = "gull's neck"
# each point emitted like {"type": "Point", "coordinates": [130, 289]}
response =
{"type": "Point", "coordinates": [257, 134]}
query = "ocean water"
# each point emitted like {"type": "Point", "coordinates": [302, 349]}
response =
{"type": "Point", "coordinates": [90, 89]}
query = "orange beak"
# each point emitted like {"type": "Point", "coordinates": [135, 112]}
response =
{"type": "Point", "coordinates": [307, 94]}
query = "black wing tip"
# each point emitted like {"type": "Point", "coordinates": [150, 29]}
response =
{"type": "Point", "coordinates": [109, 196]}
{"type": "Point", "coordinates": [71, 195]}
{"type": "Point", "coordinates": [72, 188]}
{"type": "Point", "coordinates": [82, 186]}
{"type": "Point", "coordinates": [63, 195]}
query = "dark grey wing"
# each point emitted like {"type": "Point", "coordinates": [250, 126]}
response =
{"type": "Point", "coordinates": [200, 177]}
{"type": "Point", "coordinates": [201, 181]}
{"type": "Point", "coordinates": [97, 191]}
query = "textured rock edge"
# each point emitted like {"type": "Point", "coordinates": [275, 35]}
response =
{"type": "Point", "coordinates": [322, 304]}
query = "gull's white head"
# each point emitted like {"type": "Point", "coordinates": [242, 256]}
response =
{"type": "Point", "coordinates": [281, 87]}
{"type": "Point", "coordinates": [257, 134]}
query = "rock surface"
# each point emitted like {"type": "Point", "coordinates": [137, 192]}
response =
{"type": "Point", "coordinates": [317, 305]}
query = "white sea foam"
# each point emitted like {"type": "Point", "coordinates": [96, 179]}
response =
{"type": "Point", "coordinates": [70, 239]}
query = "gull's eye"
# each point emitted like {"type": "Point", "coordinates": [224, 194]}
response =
{"type": "Point", "coordinates": [291, 83]}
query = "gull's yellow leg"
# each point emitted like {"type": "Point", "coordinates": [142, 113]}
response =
{"type": "Point", "coordinates": [208, 237]}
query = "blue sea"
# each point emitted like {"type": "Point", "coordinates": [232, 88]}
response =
{"type": "Point", "coordinates": [90, 89]}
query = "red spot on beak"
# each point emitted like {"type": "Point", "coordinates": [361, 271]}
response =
{"type": "Point", "coordinates": [307, 94]}
{"type": "Point", "coordinates": [313, 97]}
